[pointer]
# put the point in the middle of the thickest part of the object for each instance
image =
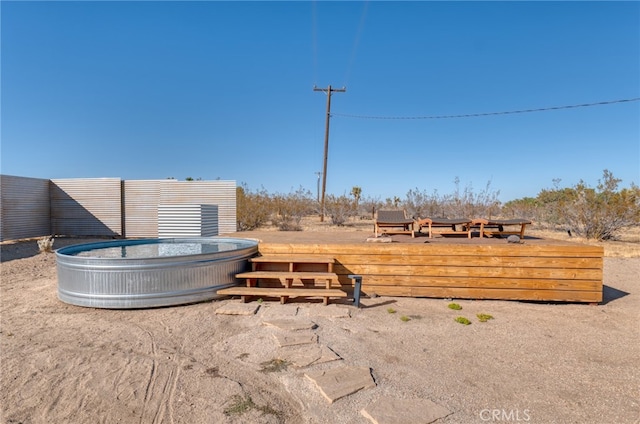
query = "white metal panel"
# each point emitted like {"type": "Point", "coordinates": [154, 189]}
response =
{"type": "Point", "coordinates": [209, 221]}
{"type": "Point", "coordinates": [187, 221]}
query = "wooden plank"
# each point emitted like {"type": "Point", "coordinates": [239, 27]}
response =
{"type": "Point", "coordinates": [282, 293]}
{"type": "Point", "coordinates": [288, 275]}
{"type": "Point", "coordinates": [315, 259]}
{"type": "Point", "coordinates": [470, 260]}
{"type": "Point", "coordinates": [268, 291]}
{"type": "Point", "coordinates": [292, 267]}
{"type": "Point", "coordinates": [478, 272]}
{"type": "Point", "coordinates": [504, 294]}
{"type": "Point", "coordinates": [552, 250]}
{"type": "Point", "coordinates": [292, 263]}
{"type": "Point", "coordinates": [523, 283]}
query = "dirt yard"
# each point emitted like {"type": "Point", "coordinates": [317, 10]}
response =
{"type": "Point", "coordinates": [533, 362]}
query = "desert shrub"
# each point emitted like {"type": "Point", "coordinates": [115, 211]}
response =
{"type": "Point", "coordinates": [368, 206]}
{"type": "Point", "coordinates": [340, 209]}
{"type": "Point", "coordinates": [291, 208]}
{"type": "Point", "coordinates": [551, 205]}
{"type": "Point", "coordinates": [469, 204]}
{"type": "Point", "coordinates": [45, 244]}
{"type": "Point", "coordinates": [527, 207]}
{"type": "Point", "coordinates": [599, 213]}
{"type": "Point", "coordinates": [461, 203]}
{"type": "Point", "coordinates": [420, 204]}
{"type": "Point", "coordinates": [253, 209]}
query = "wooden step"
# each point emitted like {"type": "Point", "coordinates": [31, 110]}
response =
{"type": "Point", "coordinates": [304, 275]}
{"type": "Point", "coordinates": [283, 293]}
{"type": "Point", "coordinates": [294, 259]}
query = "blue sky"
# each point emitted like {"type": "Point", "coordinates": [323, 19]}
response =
{"type": "Point", "coordinates": [150, 90]}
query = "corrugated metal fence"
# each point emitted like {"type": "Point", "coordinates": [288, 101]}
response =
{"type": "Point", "coordinates": [25, 207]}
{"type": "Point", "coordinates": [142, 198]}
{"type": "Point", "coordinates": [86, 207]}
{"type": "Point", "coordinates": [33, 207]}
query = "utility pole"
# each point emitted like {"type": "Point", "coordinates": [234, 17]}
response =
{"type": "Point", "coordinates": [318, 186]}
{"type": "Point", "coordinates": [327, 90]}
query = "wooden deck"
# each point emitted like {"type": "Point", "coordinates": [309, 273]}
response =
{"type": "Point", "coordinates": [537, 270]}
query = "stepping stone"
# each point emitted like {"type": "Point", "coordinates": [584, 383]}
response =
{"type": "Point", "coordinates": [388, 410]}
{"type": "Point", "coordinates": [293, 339]}
{"type": "Point", "coordinates": [307, 355]}
{"type": "Point", "coordinates": [339, 382]}
{"type": "Point", "coordinates": [330, 311]}
{"type": "Point", "coordinates": [379, 240]}
{"type": "Point", "coordinates": [233, 308]}
{"type": "Point", "coordinates": [277, 310]}
{"type": "Point", "coordinates": [291, 324]}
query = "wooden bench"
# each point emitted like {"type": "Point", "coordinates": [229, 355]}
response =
{"type": "Point", "coordinates": [288, 276]}
{"type": "Point", "coordinates": [450, 224]}
{"type": "Point", "coordinates": [393, 222]}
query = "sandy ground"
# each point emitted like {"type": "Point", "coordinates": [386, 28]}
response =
{"type": "Point", "coordinates": [534, 362]}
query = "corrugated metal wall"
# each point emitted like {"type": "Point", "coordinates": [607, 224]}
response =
{"type": "Point", "coordinates": [25, 207]}
{"type": "Point", "coordinates": [33, 207]}
{"type": "Point", "coordinates": [142, 198]}
{"type": "Point", "coordinates": [86, 206]}
{"type": "Point", "coordinates": [187, 221]}
{"type": "Point", "coordinates": [221, 193]}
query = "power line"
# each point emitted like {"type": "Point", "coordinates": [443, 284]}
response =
{"type": "Point", "coordinates": [475, 115]}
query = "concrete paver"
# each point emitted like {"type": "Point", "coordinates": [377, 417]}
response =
{"type": "Point", "coordinates": [387, 410]}
{"type": "Point", "coordinates": [306, 355]}
{"type": "Point", "coordinates": [341, 381]}
{"type": "Point", "coordinates": [291, 324]}
{"type": "Point", "coordinates": [295, 338]}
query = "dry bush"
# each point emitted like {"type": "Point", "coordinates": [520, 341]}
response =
{"type": "Point", "coordinates": [460, 204]}
{"type": "Point", "coordinates": [340, 209]}
{"type": "Point", "coordinates": [291, 208]}
{"type": "Point", "coordinates": [45, 244]}
{"type": "Point", "coordinates": [253, 209]}
{"type": "Point", "coordinates": [368, 206]}
{"type": "Point", "coordinates": [602, 212]}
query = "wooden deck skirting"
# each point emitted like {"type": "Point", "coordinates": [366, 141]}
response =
{"type": "Point", "coordinates": [539, 272]}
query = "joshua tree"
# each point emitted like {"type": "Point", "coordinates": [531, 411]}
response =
{"type": "Point", "coordinates": [356, 192]}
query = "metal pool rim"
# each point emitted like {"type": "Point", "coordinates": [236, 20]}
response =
{"type": "Point", "coordinates": [143, 282]}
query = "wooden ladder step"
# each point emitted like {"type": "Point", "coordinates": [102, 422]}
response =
{"type": "Point", "coordinates": [293, 259]}
{"type": "Point", "coordinates": [283, 293]}
{"type": "Point", "coordinates": [289, 275]}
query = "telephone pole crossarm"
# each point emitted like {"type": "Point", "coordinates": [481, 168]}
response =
{"type": "Point", "coordinates": [329, 90]}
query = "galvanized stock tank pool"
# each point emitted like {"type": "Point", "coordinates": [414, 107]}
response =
{"type": "Point", "coordinates": [127, 274]}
